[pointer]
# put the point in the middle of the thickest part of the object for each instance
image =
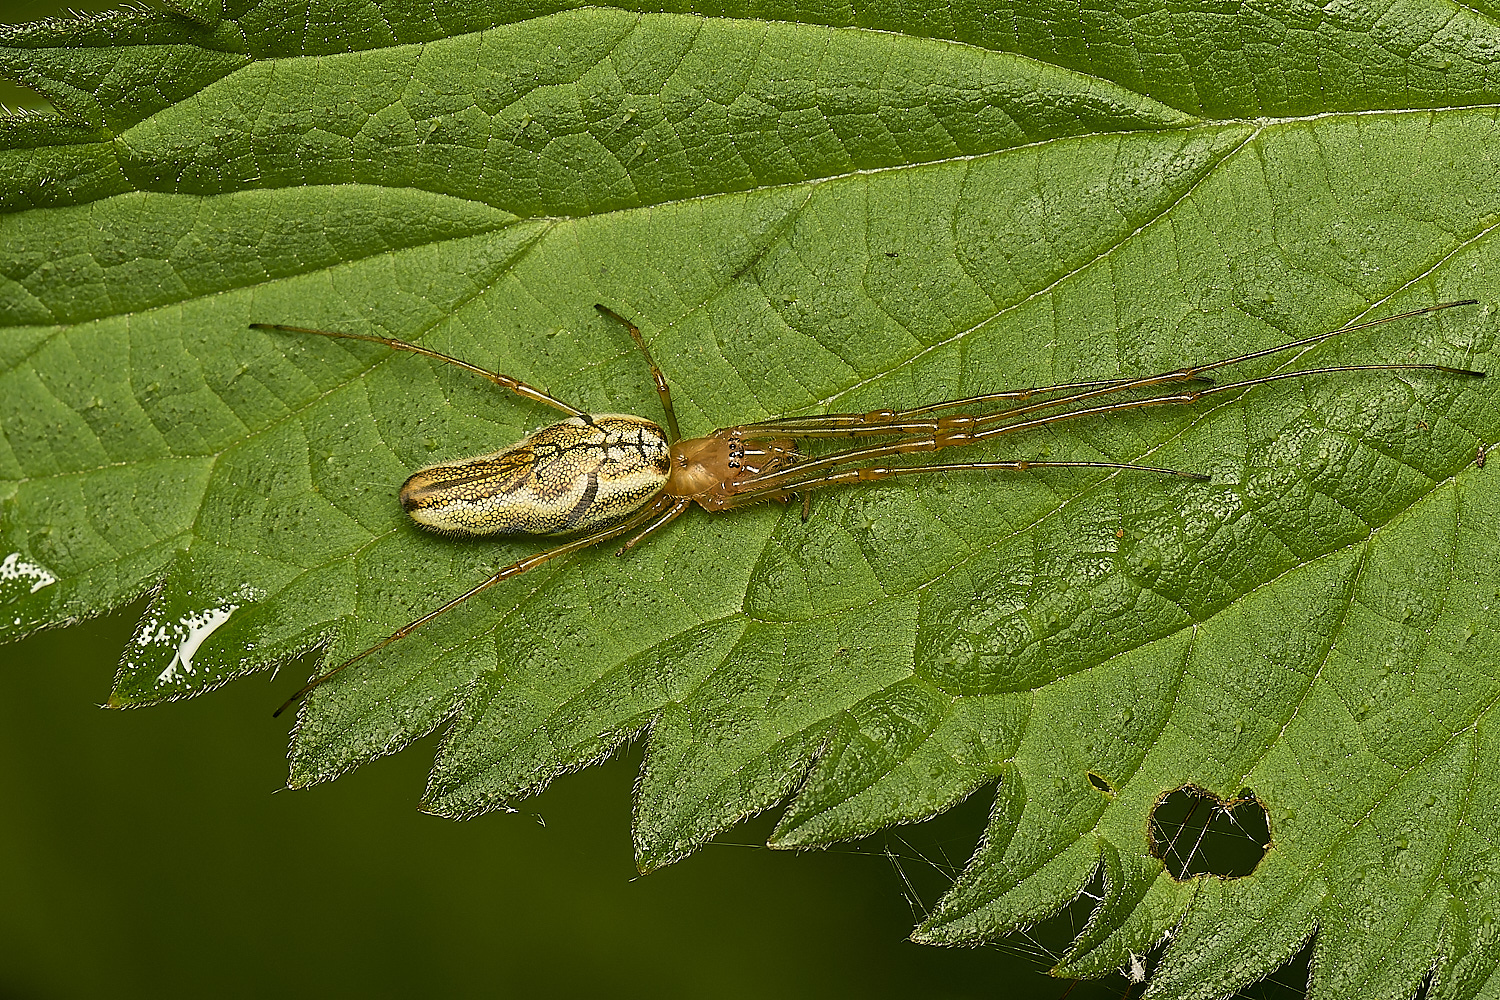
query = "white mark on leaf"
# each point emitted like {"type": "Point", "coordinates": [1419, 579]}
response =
{"type": "Point", "coordinates": [15, 568]}
{"type": "Point", "coordinates": [187, 633]}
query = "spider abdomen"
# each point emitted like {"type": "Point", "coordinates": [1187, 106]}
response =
{"type": "Point", "coordinates": [578, 474]}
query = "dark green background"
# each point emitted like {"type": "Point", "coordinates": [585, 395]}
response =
{"type": "Point", "coordinates": [346, 889]}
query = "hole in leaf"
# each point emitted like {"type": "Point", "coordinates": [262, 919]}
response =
{"type": "Point", "coordinates": [1194, 832]}
{"type": "Point", "coordinates": [1102, 784]}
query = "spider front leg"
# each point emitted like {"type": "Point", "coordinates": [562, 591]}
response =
{"type": "Point", "coordinates": [919, 420]}
{"type": "Point", "coordinates": [1192, 379]}
{"type": "Point", "coordinates": [879, 473]}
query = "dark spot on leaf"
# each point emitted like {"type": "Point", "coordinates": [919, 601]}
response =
{"type": "Point", "coordinates": [1101, 783]}
{"type": "Point", "coordinates": [1194, 832]}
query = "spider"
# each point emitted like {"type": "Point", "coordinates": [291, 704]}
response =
{"type": "Point", "coordinates": [598, 477]}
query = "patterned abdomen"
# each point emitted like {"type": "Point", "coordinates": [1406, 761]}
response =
{"type": "Point", "coordinates": [578, 474]}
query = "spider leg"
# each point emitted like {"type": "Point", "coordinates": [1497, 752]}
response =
{"type": "Point", "coordinates": [982, 433]}
{"type": "Point", "coordinates": [907, 421]}
{"type": "Point", "coordinates": [794, 477]}
{"type": "Point", "coordinates": [515, 385]}
{"type": "Point", "coordinates": [1107, 385]}
{"type": "Point", "coordinates": [878, 422]}
{"type": "Point", "coordinates": [1319, 337]}
{"type": "Point", "coordinates": [823, 471]}
{"type": "Point", "coordinates": [662, 389]}
{"type": "Point", "coordinates": [514, 569]}
{"type": "Point", "coordinates": [1195, 372]}
{"type": "Point", "coordinates": [879, 473]}
{"type": "Point", "coordinates": [665, 519]}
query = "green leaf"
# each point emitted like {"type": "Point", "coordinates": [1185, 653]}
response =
{"type": "Point", "coordinates": [809, 211]}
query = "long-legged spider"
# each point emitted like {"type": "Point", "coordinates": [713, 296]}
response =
{"type": "Point", "coordinates": [603, 476]}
